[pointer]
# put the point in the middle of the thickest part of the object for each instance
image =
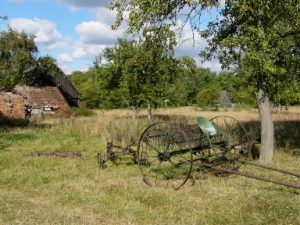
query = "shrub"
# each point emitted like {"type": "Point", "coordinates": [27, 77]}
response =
{"type": "Point", "coordinates": [83, 111]}
{"type": "Point", "coordinates": [207, 96]}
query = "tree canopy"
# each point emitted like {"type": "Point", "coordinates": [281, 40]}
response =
{"type": "Point", "coordinates": [17, 57]}
{"type": "Point", "coordinates": [260, 39]}
{"type": "Point", "coordinates": [19, 63]}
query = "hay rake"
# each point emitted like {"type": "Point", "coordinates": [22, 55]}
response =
{"type": "Point", "coordinates": [168, 154]}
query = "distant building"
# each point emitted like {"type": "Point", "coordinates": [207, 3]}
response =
{"type": "Point", "coordinates": [223, 99]}
{"type": "Point", "coordinates": [54, 97]}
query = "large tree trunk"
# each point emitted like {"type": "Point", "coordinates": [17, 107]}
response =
{"type": "Point", "coordinates": [267, 128]}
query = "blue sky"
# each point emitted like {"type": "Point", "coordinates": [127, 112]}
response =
{"type": "Point", "coordinates": [75, 31]}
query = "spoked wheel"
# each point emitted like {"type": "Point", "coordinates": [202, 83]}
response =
{"type": "Point", "coordinates": [234, 135]}
{"type": "Point", "coordinates": [164, 157]}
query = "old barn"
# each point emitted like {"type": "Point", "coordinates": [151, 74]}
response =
{"type": "Point", "coordinates": [55, 98]}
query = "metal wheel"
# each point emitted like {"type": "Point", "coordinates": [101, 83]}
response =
{"type": "Point", "coordinates": [164, 156]}
{"type": "Point", "coordinates": [234, 135]}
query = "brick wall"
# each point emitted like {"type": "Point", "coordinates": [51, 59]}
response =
{"type": "Point", "coordinates": [12, 105]}
{"type": "Point", "coordinates": [47, 99]}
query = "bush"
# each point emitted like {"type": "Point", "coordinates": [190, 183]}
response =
{"type": "Point", "coordinates": [83, 111]}
{"type": "Point", "coordinates": [207, 96]}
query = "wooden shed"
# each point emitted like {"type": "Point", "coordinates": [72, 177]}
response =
{"type": "Point", "coordinates": [224, 99]}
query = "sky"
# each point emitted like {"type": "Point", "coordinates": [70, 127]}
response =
{"type": "Point", "coordinates": [75, 31]}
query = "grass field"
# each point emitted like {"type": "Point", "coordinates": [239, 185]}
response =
{"type": "Point", "coordinates": [73, 190]}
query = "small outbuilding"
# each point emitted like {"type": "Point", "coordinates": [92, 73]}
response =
{"type": "Point", "coordinates": [224, 99]}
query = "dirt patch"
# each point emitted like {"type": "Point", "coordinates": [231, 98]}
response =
{"type": "Point", "coordinates": [61, 154]}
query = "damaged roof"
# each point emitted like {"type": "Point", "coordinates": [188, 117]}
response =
{"type": "Point", "coordinates": [40, 95]}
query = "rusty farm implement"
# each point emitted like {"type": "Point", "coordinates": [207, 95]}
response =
{"type": "Point", "coordinates": [169, 153]}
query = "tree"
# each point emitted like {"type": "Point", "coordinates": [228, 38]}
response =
{"type": "Point", "coordinates": [96, 88]}
{"type": "Point", "coordinates": [39, 74]}
{"type": "Point", "coordinates": [17, 57]}
{"type": "Point", "coordinates": [208, 95]}
{"type": "Point", "coordinates": [259, 39]}
{"type": "Point", "coordinates": [139, 72]}
{"type": "Point", "coordinates": [19, 63]}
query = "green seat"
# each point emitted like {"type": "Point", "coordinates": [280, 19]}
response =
{"type": "Point", "coordinates": [206, 126]}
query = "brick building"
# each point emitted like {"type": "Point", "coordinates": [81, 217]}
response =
{"type": "Point", "coordinates": [54, 98]}
{"type": "Point", "coordinates": [25, 101]}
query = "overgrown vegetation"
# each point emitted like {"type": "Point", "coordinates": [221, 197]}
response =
{"type": "Point", "coordinates": [82, 111]}
{"type": "Point", "coordinates": [62, 190]}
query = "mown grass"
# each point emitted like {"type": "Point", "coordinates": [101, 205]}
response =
{"type": "Point", "coordinates": [53, 190]}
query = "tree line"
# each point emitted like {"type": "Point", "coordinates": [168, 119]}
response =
{"type": "Point", "coordinates": [131, 74]}
{"type": "Point", "coordinates": [123, 76]}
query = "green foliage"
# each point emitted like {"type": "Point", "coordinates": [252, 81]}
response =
{"type": "Point", "coordinates": [208, 96]}
{"type": "Point", "coordinates": [143, 14]}
{"type": "Point", "coordinates": [140, 71]}
{"type": "Point", "coordinates": [240, 89]}
{"type": "Point", "coordinates": [135, 75]}
{"type": "Point", "coordinates": [291, 96]}
{"type": "Point", "coordinates": [261, 38]}
{"type": "Point", "coordinates": [113, 85]}
{"type": "Point", "coordinates": [258, 39]}
{"type": "Point", "coordinates": [126, 80]}
{"type": "Point", "coordinates": [82, 111]}
{"type": "Point", "coordinates": [95, 90]}
{"type": "Point", "coordinates": [17, 57]}
{"type": "Point", "coordinates": [19, 63]}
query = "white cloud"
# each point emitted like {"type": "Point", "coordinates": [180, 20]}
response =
{"type": "Point", "coordinates": [64, 58]}
{"type": "Point", "coordinates": [104, 15]}
{"type": "Point", "coordinates": [45, 31]}
{"type": "Point", "coordinates": [81, 51]}
{"type": "Point", "coordinates": [93, 32]}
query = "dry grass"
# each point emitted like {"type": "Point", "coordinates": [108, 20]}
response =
{"type": "Point", "coordinates": [49, 190]}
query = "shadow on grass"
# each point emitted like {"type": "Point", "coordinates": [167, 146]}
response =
{"type": "Point", "coordinates": [287, 133]}
{"type": "Point", "coordinates": [8, 123]}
